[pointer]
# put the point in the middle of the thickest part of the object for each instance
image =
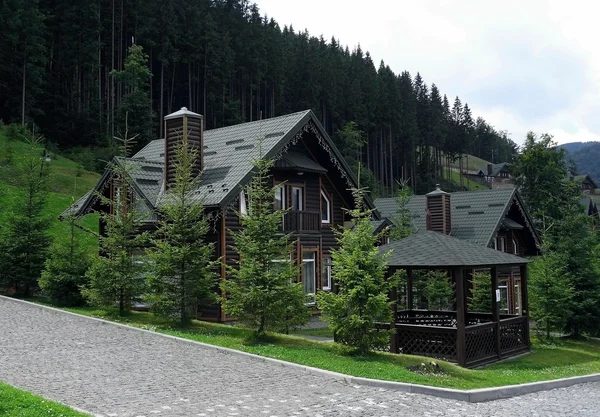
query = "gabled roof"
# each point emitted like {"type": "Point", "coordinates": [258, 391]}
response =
{"type": "Point", "coordinates": [228, 156]}
{"type": "Point", "coordinates": [432, 249]}
{"type": "Point", "coordinates": [496, 168]}
{"type": "Point", "coordinates": [476, 215]}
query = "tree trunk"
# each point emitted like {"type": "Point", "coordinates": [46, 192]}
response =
{"type": "Point", "coordinates": [23, 87]}
{"type": "Point", "coordinates": [162, 92]}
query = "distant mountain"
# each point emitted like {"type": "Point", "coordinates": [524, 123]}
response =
{"type": "Point", "coordinates": [586, 156]}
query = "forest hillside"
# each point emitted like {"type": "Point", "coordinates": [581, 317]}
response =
{"type": "Point", "coordinates": [586, 156]}
{"type": "Point", "coordinates": [63, 68]}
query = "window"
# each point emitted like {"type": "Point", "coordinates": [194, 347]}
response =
{"type": "Point", "coordinates": [326, 274]}
{"type": "Point", "coordinates": [243, 204]}
{"type": "Point", "coordinates": [297, 198]}
{"type": "Point", "coordinates": [500, 244]}
{"type": "Point", "coordinates": [280, 198]}
{"type": "Point", "coordinates": [325, 208]}
{"type": "Point", "coordinates": [515, 247]}
{"type": "Point", "coordinates": [308, 276]}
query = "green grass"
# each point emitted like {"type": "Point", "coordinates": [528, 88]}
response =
{"type": "Point", "coordinates": [567, 358]}
{"type": "Point", "coordinates": [469, 184]}
{"type": "Point", "coordinates": [17, 403]}
{"type": "Point", "coordinates": [67, 181]}
{"type": "Point", "coordinates": [475, 163]}
{"type": "Point", "coordinates": [320, 332]}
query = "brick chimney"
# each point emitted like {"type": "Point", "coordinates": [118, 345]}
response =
{"type": "Point", "coordinates": [183, 125]}
{"type": "Point", "coordinates": [438, 213]}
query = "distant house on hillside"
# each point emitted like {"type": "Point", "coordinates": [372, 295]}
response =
{"type": "Point", "coordinates": [588, 185]}
{"type": "Point", "coordinates": [494, 218]}
{"type": "Point", "coordinates": [316, 190]}
{"type": "Point", "coordinates": [493, 176]}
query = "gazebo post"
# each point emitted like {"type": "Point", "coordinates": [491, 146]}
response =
{"type": "Point", "coordinates": [393, 336]}
{"type": "Point", "coordinates": [524, 301]}
{"type": "Point", "coordinates": [409, 289]}
{"type": "Point", "coordinates": [461, 313]}
{"type": "Point", "coordinates": [495, 308]}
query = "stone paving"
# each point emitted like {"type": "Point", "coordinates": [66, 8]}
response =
{"type": "Point", "coordinates": [113, 371]}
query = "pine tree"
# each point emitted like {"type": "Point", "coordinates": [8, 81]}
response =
{"type": "Point", "coordinates": [359, 272]}
{"type": "Point", "coordinates": [261, 290]}
{"type": "Point", "coordinates": [183, 273]}
{"type": "Point", "coordinates": [403, 220]}
{"type": "Point", "coordinates": [64, 273]}
{"type": "Point", "coordinates": [25, 236]}
{"type": "Point", "coordinates": [115, 278]}
{"type": "Point", "coordinates": [438, 290]}
{"type": "Point", "coordinates": [550, 293]}
{"type": "Point", "coordinates": [135, 107]}
{"type": "Point", "coordinates": [481, 294]}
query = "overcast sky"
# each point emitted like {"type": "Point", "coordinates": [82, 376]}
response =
{"type": "Point", "coordinates": [522, 65]}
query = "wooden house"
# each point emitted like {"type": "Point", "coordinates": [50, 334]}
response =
{"type": "Point", "coordinates": [492, 176]}
{"type": "Point", "coordinates": [316, 182]}
{"type": "Point", "coordinates": [494, 218]}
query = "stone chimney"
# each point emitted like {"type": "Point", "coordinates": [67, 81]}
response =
{"type": "Point", "coordinates": [438, 213]}
{"type": "Point", "coordinates": [489, 170]}
{"type": "Point", "coordinates": [183, 125]}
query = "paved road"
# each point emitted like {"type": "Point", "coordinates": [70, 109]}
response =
{"type": "Point", "coordinates": [113, 371]}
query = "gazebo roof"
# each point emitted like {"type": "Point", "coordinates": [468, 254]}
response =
{"type": "Point", "coordinates": [428, 249]}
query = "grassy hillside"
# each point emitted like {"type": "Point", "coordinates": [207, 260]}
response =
{"type": "Point", "coordinates": [67, 181]}
{"type": "Point", "coordinates": [474, 163]}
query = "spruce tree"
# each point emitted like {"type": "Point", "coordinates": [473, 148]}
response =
{"type": "Point", "coordinates": [183, 271]}
{"type": "Point", "coordinates": [550, 293]}
{"type": "Point", "coordinates": [262, 291]}
{"type": "Point", "coordinates": [403, 219]}
{"type": "Point", "coordinates": [25, 234]}
{"type": "Point", "coordinates": [114, 277]}
{"type": "Point", "coordinates": [63, 276]}
{"type": "Point", "coordinates": [481, 293]}
{"type": "Point", "coordinates": [438, 290]}
{"type": "Point", "coordinates": [359, 272]}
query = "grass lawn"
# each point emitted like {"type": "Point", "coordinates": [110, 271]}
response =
{"type": "Point", "coordinates": [567, 358]}
{"type": "Point", "coordinates": [17, 403]}
{"type": "Point", "coordinates": [67, 181]}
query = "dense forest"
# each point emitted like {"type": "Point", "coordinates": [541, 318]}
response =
{"type": "Point", "coordinates": [60, 62]}
{"type": "Point", "coordinates": [585, 156]}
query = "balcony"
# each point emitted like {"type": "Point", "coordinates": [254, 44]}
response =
{"type": "Point", "coordinates": [302, 222]}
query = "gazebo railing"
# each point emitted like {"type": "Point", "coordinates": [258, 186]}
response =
{"type": "Point", "coordinates": [434, 334]}
{"type": "Point", "coordinates": [438, 342]}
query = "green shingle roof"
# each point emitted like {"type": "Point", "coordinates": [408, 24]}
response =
{"type": "Point", "coordinates": [228, 156]}
{"type": "Point", "coordinates": [432, 249]}
{"type": "Point", "coordinates": [476, 215]}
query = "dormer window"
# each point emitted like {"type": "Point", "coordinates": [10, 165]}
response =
{"type": "Point", "coordinates": [325, 208]}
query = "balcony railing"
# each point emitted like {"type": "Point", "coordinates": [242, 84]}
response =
{"type": "Point", "coordinates": [302, 222]}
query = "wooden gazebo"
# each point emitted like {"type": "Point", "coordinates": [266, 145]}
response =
{"type": "Point", "coordinates": [468, 338]}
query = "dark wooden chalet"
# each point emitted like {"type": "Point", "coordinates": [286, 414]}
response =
{"type": "Point", "coordinates": [494, 218]}
{"type": "Point", "coordinates": [316, 184]}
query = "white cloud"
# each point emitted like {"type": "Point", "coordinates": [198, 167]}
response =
{"type": "Point", "coordinates": [522, 65]}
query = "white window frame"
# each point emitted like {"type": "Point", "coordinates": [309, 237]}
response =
{"type": "Point", "coordinates": [328, 219]}
{"type": "Point", "coordinates": [293, 190]}
{"type": "Point", "coordinates": [326, 274]}
{"type": "Point", "coordinates": [310, 296]}
{"type": "Point", "coordinates": [281, 194]}
{"type": "Point", "coordinates": [243, 204]}
{"type": "Point", "coordinates": [515, 246]}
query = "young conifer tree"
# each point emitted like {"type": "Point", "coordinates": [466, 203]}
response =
{"type": "Point", "coordinates": [481, 294]}
{"type": "Point", "coordinates": [403, 220]}
{"type": "Point", "coordinates": [24, 237]}
{"type": "Point", "coordinates": [438, 290]}
{"type": "Point", "coordinates": [114, 277]}
{"type": "Point", "coordinates": [183, 268]}
{"type": "Point", "coordinates": [359, 271]}
{"type": "Point", "coordinates": [262, 291]}
{"type": "Point", "coordinates": [64, 274]}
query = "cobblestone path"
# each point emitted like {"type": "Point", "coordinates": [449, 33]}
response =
{"type": "Point", "coordinates": [112, 371]}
